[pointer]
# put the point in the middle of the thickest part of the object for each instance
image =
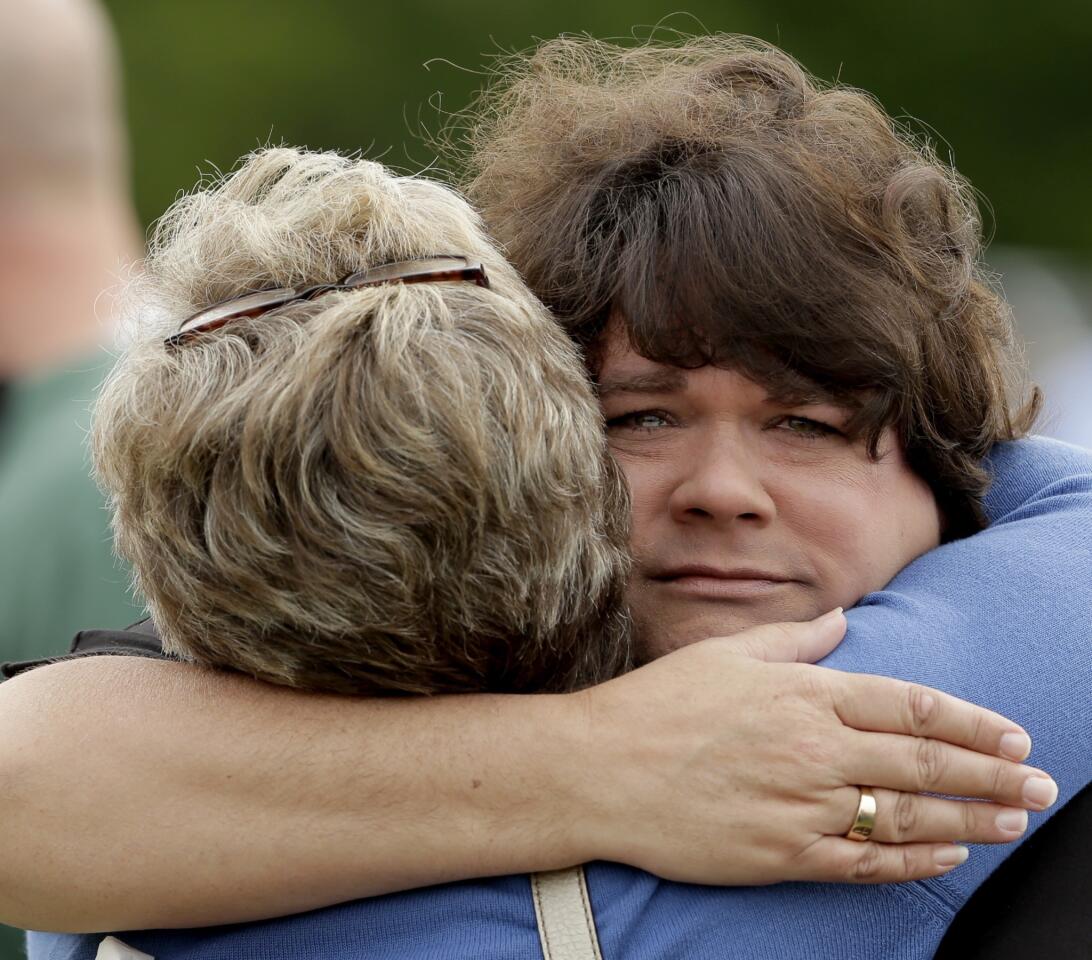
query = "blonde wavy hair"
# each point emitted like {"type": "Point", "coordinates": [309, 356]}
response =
{"type": "Point", "coordinates": [400, 489]}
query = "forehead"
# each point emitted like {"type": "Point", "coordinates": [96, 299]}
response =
{"type": "Point", "coordinates": [618, 365]}
{"type": "Point", "coordinates": [621, 369]}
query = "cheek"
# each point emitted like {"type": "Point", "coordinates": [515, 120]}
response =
{"type": "Point", "coordinates": [649, 486]}
{"type": "Point", "coordinates": [915, 521]}
{"type": "Point", "coordinates": [866, 529]}
{"type": "Point", "coordinates": [829, 524]}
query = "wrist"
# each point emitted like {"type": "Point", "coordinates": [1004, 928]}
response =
{"type": "Point", "coordinates": [584, 775]}
{"type": "Point", "coordinates": [544, 797]}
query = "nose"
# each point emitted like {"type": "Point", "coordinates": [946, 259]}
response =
{"type": "Point", "coordinates": [722, 482]}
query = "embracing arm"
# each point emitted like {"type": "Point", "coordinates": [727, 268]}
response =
{"type": "Point", "coordinates": [141, 793]}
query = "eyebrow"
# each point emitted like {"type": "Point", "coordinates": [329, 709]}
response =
{"type": "Point", "coordinates": [793, 391]}
{"type": "Point", "coordinates": [804, 394]}
{"type": "Point", "coordinates": [790, 388]}
{"type": "Point", "coordinates": [660, 381]}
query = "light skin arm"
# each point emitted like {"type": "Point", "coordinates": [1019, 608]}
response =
{"type": "Point", "coordinates": [144, 793]}
{"type": "Point", "coordinates": [139, 793]}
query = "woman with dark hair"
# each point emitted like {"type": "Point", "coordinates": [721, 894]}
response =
{"type": "Point", "coordinates": [729, 210]}
{"type": "Point", "coordinates": [781, 304]}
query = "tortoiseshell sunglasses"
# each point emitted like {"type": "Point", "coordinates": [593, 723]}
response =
{"type": "Point", "coordinates": [426, 270]}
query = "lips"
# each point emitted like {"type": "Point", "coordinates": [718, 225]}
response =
{"type": "Point", "coordinates": [706, 583]}
{"type": "Point", "coordinates": [706, 571]}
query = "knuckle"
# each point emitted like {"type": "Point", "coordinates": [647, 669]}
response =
{"type": "Point", "coordinates": [921, 708]}
{"type": "Point", "coordinates": [979, 724]}
{"type": "Point", "coordinates": [968, 816]}
{"type": "Point", "coordinates": [868, 864]}
{"type": "Point", "coordinates": [747, 647]}
{"type": "Point", "coordinates": [784, 632]}
{"type": "Point", "coordinates": [907, 816]}
{"type": "Point", "coordinates": [999, 780]}
{"type": "Point", "coordinates": [930, 763]}
{"type": "Point", "coordinates": [764, 643]}
{"type": "Point", "coordinates": [813, 687]}
{"type": "Point", "coordinates": [909, 863]}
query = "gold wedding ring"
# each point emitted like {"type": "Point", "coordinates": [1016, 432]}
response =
{"type": "Point", "coordinates": [865, 821]}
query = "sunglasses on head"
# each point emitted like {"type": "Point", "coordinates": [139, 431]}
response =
{"type": "Point", "coordinates": [426, 270]}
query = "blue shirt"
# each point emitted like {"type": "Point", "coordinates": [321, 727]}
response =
{"type": "Point", "coordinates": [1002, 619]}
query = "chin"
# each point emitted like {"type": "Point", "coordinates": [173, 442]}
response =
{"type": "Point", "coordinates": [663, 629]}
{"type": "Point", "coordinates": [656, 640]}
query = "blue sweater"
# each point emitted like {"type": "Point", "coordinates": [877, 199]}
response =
{"type": "Point", "coordinates": [1002, 619]}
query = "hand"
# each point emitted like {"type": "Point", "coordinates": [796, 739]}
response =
{"type": "Point", "coordinates": [730, 762]}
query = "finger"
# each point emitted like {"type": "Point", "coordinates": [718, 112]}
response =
{"type": "Point", "coordinates": [804, 642]}
{"type": "Point", "coordinates": [913, 818]}
{"type": "Point", "coordinates": [837, 860]}
{"type": "Point", "coordinates": [895, 706]}
{"type": "Point", "coordinates": [918, 764]}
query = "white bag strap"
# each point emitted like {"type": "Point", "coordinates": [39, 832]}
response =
{"type": "Point", "coordinates": [566, 927]}
{"type": "Point", "coordinates": [113, 949]}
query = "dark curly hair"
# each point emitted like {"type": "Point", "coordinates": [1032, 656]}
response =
{"type": "Point", "coordinates": [735, 211]}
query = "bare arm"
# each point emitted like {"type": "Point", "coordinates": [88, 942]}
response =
{"type": "Point", "coordinates": [142, 793]}
{"type": "Point", "coordinates": [137, 793]}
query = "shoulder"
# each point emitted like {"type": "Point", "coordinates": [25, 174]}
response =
{"type": "Point", "coordinates": [138, 640]}
{"type": "Point", "coordinates": [1034, 469]}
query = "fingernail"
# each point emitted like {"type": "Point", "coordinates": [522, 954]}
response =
{"type": "Point", "coordinates": [1040, 791]}
{"type": "Point", "coordinates": [1012, 821]}
{"type": "Point", "coordinates": [832, 614]}
{"type": "Point", "coordinates": [1015, 746]}
{"type": "Point", "coordinates": [951, 856]}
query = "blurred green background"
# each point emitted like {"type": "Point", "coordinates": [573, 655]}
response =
{"type": "Point", "coordinates": [1001, 84]}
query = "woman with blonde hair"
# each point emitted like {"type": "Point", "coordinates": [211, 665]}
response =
{"type": "Point", "coordinates": [381, 473]}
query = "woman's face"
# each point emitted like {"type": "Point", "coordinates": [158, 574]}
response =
{"type": "Point", "coordinates": [745, 510]}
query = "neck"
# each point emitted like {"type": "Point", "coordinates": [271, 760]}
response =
{"type": "Point", "coordinates": [57, 268]}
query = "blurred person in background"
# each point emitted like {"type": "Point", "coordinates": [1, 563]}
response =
{"type": "Point", "coordinates": [66, 228]}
